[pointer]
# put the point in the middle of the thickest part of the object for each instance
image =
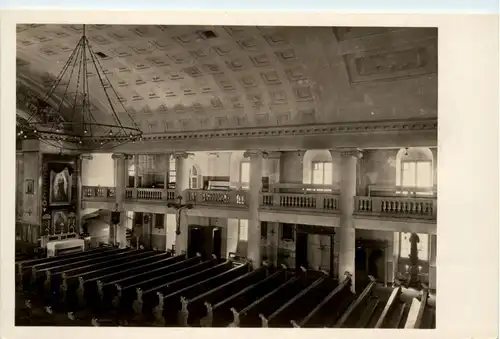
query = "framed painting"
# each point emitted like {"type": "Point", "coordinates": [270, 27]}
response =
{"type": "Point", "coordinates": [60, 221]}
{"type": "Point", "coordinates": [60, 188]}
{"type": "Point", "coordinates": [30, 186]}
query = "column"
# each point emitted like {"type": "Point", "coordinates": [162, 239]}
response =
{"type": "Point", "coordinates": [253, 247]}
{"type": "Point", "coordinates": [347, 233]}
{"type": "Point", "coordinates": [120, 183]}
{"type": "Point", "coordinates": [181, 185]}
{"type": "Point", "coordinates": [79, 189]}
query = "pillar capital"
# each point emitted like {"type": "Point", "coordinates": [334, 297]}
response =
{"type": "Point", "coordinates": [255, 153]}
{"type": "Point", "coordinates": [355, 153]}
{"type": "Point", "coordinates": [85, 156]}
{"type": "Point", "coordinates": [181, 155]}
{"type": "Point", "coordinates": [122, 156]}
{"type": "Point", "coordinates": [274, 155]}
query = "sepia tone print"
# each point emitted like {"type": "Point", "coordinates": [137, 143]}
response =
{"type": "Point", "coordinates": [224, 176]}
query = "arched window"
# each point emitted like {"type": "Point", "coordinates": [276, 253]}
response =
{"type": "Point", "coordinates": [321, 172]}
{"type": "Point", "coordinates": [422, 246]}
{"type": "Point", "coordinates": [172, 174]}
{"type": "Point", "coordinates": [195, 177]}
{"type": "Point", "coordinates": [414, 168]}
{"type": "Point", "coordinates": [131, 172]}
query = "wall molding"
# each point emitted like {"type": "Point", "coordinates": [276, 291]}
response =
{"type": "Point", "coordinates": [370, 134]}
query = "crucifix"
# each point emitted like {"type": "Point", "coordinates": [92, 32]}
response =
{"type": "Point", "coordinates": [179, 206]}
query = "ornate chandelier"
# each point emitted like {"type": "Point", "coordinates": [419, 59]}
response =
{"type": "Point", "coordinates": [65, 118]}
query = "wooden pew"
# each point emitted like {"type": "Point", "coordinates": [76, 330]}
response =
{"type": "Point", "coordinates": [221, 314]}
{"type": "Point", "coordinates": [248, 317]}
{"type": "Point", "coordinates": [299, 303]}
{"type": "Point", "coordinates": [389, 308]}
{"type": "Point", "coordinates": [39, 273]}
{"type": "Point", "coordinates": [73, 281]}
{"type": "Point", "coordinates": [423, 306]}
{"type": "Point", "coordinates": [95, 289]}
{"type": "Point", "coordinates": [177, 299]}
{"type": "Point", "coordinates": [352, 314]}
{"type": "Point", "coordinates": [327, 306]}
{"type": "Point", "coordinates": [145, 301]}
{"type": "Point", "coordinates": [128, 294]}
{"type": "Point", "coordinates": [53, 274]}
{"type": "Point", "coordinates": [26, 268]}
{"type": "Point", "coordinates": [195, 306]}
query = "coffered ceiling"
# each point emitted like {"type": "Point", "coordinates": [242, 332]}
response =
{"type": "Point", "coordinates": [193, 78]}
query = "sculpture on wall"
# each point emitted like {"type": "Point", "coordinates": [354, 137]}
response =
{"type": "Point", "coordinates": [179, 206]}
{"type": "Point", "coordinates": [60, 187]}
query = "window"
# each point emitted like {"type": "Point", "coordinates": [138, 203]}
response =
{"type": "Point", "coordinates": [159, 221]}
{"type": "Point", "coordinates": [151, 170]}
{"type": "Point", "coordinates": [287, 232]}
{"type": "Point", "coordinates": [131, 171]}
{"type": "Point", "coordinates": [245, 174]}
{"type": "Point", "coordinates": [416, 174]}
{"type": "Point", "coordinates": [321, 174]}
{"type": "Point", "coordinates": [172, 174]}
{"type": "Point", "coordinates": [243, 232]}
{"type": "Point", "coordinates": [194, 177]}
{"type": "Point", "coordinates": [422, 246]}
{"type": "Point", "coordinates": [263, 229]}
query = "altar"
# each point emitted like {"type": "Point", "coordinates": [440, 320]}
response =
{"type": "Point", "coordinates": [57, 247]}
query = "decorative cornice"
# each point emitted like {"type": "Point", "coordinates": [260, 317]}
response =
{"type": "Point", "coordinates": [255, 153]}
{"type": "Point", "coordinates": [294, 130]}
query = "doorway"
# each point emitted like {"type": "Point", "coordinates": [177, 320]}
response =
{"type": "Point", "coordinates": [301, 250]}
{"type": "Point", "coordinates": [217, 242]}
{"type": "Point", "coordinates": [195, 241]}
{"type": "Point", "coordinates": [370, 261]}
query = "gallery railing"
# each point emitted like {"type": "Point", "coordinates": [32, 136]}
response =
{"type": "Point", "coordinates": [404, 207]}
{"type": "Point", "coordinates": [307, 200]}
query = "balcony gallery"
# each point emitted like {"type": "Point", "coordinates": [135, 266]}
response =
{"type": "Point", "coordinates": [411, 197]}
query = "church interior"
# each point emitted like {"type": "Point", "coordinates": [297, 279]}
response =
{"type": "Point", "coordinates": [155, 183]}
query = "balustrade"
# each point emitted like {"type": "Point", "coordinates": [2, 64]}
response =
{"type": "Point", "coordinates": [229, 198]}
{"type": "Point", "coordinates": [306, 200]}
{"type": "Point", "coordinates": [149, 194]}
{"type": "Point", "coordinates": [311, 201]}
{"type": "Point", "coordinates": [397, 207]}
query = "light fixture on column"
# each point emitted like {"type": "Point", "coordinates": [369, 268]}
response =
{"type": "Point", "coordinates": [414, 271]}
{"type": "Point", "coordinates": [65, 117]}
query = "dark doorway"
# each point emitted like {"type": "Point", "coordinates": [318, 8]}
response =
{"type": "Point", "coordinates": [301, 250]}
{"type": "Point", "coordinates": [370, 256]}
{"type": "Point", "coordinates": [195, 241]}
{"type": "Point", "coordinates": [217, 242]}
{"type": "Point", "coordinates": [373, 263]}
{"type": "Point", "coordinates": [361, 274]}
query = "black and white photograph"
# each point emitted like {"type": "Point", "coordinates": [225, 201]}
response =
{"type": "Point", "coordinates": [229, 176]}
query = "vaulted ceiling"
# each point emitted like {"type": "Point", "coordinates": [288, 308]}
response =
{"type": "Point", "coordinates": [192, 78]}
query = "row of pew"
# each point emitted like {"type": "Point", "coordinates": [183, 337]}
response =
{"type": "Point", "coordinates": [109, 286]}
